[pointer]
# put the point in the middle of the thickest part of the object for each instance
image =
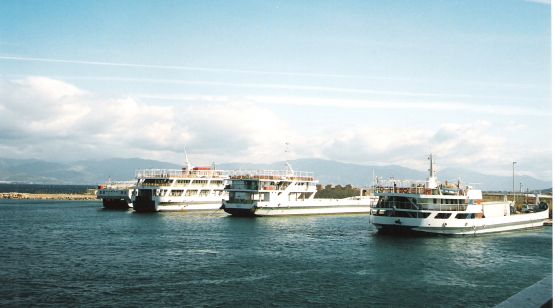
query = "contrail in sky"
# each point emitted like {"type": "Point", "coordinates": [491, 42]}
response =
{"type": "Point", "coordinates": [253, 72]}
{"type": "Point", "coordinates": [179, 67]}
{"type": "Point", "coordinates": [295, 87]}
{"type": "Point", "coordinates": [363, 104]}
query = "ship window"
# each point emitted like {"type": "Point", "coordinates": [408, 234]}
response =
{"type": "Point", "coordinates": [402, 202]}
{"type": "Point", "coordinates": [465, 216]}
{"type": "Point", "coordinates": [405, 214]}
{"type": "Point", "coordinates": [402, 214]}
{"type": "Point", "coordinates": [156, 182]}
{"type": "Point", "coordinates": [257, 197]}
{"type": "Point", "coordinates": [244, 184]}
{"type": "Point", "coordinates": [442, 215]}
{"type": "Point", "coordinates": [240, 197]}
{"type": "Point", "coordinates": [177, 192]}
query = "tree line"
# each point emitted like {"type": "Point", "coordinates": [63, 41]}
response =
{"type": "Point", "coordinates": [336, 192]}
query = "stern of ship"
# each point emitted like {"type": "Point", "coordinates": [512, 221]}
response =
{"type": "Point", "coordinates": [144, 201]}
{"type": "Point", "coordinates": [115, 204]}
{"type": "Point", "coordinates": [239, 209]}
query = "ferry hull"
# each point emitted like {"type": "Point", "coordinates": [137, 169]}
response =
{"type": "Point", "coordinates": [142, 205]}
{"type": "Point", "coordinates": [116, 204]}
{"type": "Point", "coordinates": [248, 212]}
{"type": "Point", "coordinates": [196, 206]}
{"type": "Point", "coordinates": [295, 209]}
{"type": "Point", "coordinates": [149, 205]}
{"type": "Point", "coordinates": [114, 197]}
{"type": "Point", "coordinates": [459, 227]}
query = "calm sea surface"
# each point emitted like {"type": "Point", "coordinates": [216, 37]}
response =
{"type": "Point", "coordinates": [75, 253]}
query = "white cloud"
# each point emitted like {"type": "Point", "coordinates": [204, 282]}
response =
{"type": "Point", "coordinates": [435, 106]}
{"type": "Point", "coordinates": [297, 88]}
{"type": "Point", "coordinates": [472, 145]}
{"type": "Point", "coordinates": [40, 107]}
{"type": "Point", "coordinates": [50, 119]}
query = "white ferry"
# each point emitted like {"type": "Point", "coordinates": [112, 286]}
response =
{"type": "Point", "coordinates": [116, 195]}
{"type": "Point", "coordinates": [285, 192]}
{"type": "Point", "coordinates": [451, 209]}
{"type": "Point", "coordinates": [186, 189]}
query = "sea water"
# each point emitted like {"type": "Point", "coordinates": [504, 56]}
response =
{"type": "Point", "coordinates": [77, 254]}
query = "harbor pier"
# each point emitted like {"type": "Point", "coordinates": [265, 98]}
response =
{"type": "Point", "coordinates": [539, 294]}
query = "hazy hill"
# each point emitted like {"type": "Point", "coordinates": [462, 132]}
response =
{"type": "Point", "coordinates": [80, 172]}
{"type": "Point", "coordinates": [328, 172]}
{"type": "Point", "coordinates": [332, 172]}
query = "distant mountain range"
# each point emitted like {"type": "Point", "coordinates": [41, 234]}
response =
{"type": "Point", "coordinates": [333, 172]}
{"type": "Point", "coordinates": [79, 172]}
{"type": "Point", "coordinates": [327, 171]}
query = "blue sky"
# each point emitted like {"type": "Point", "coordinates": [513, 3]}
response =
{"type": "Point", "coordinates": [356, 81]}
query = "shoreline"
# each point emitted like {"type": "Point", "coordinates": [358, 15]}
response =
{"type": "Point", "coordinates": [29, 196]}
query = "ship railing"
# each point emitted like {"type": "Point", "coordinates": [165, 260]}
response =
{"type": "Point", "coordinates": [180, 173]}
{"type": "Point", "coordinates": [272, 175]}
{"type": "Point", "coordinates": [401, 186]}
{"type": "Point", "coordinates": [424, 207]}
{"type": "Point", "coordinates": [419, 190]}
{"type": "Point", "coordinates": [118, 184]}
{"type": "Point", "coordinates": [418, 187]}
{"type": "Point", "coordinates": [444, 207]}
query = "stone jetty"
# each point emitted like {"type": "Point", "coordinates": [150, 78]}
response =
{"type": "Point", "coordinates": [24, 196]}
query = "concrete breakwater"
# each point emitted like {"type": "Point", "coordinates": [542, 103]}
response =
{"type": "Point", "coordinates": [28, 196]}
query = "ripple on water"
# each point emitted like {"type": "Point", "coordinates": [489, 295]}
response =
{"type": "Point", "coordinates": [76, 254]}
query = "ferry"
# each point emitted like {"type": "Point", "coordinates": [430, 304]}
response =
{"type": "Point", "coordinates": [285, 192]}
{"type": "Point", "coordinates": [446, 208]}
{"type": "Point", "coordinates": [116, 195]}
{"type": "Point", "coordinates": [186, 189]}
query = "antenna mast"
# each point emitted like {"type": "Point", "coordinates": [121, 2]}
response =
{"type": "Point", "coordinates": [432, 180]}
{"type": "Point", "coordinates": [287, 164]}
{"type": "Point", "coordinates": [187, 163]}
{"type": "Point", "coordinates": [431, 158]}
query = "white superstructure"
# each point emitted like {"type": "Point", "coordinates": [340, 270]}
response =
{"type": "Point", "coordinates": [116, 195]}
{"type": "Point", "coordinates": [446, 208]}
{"type": "Point", "coordinates": [285, 192]}
{"type": "Point", "coordinates": [190, 189]}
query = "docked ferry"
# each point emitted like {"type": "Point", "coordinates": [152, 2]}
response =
{"type": "Point", "coordinates": [446, 208]}
{"type": "Point", "coordinates": [186, 189]}
{"type": "Point", "coordinates": [116, 195]}
{"type": "Point", "coordinates": [285, 192]}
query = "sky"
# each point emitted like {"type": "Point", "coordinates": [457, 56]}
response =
{"type": "Point", "coordinates": [366, 82]}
